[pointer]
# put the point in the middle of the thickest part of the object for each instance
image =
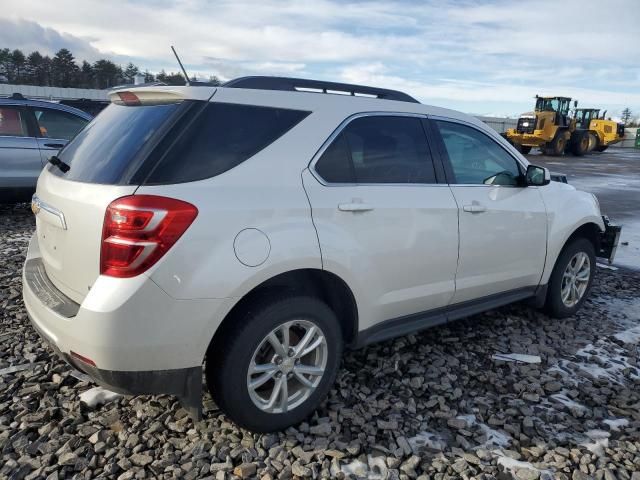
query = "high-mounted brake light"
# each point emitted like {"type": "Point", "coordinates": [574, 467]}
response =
{"type": "Point", "coordinates": [138, 230]}
{"type": "Point", "coordinates": [129, 98]}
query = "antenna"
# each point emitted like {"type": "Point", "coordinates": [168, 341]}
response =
{"type": "Point", "coordinates": [186, 77]}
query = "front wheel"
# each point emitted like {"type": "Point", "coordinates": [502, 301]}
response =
{"type": "Point", "coordinates": [557, 146]}
{"type": "Point", "coordinates": [571, 279]}
{"type": "Point", "coordinates": [276, 364]}
{"type": "Point", "coordinates": [524, 149]}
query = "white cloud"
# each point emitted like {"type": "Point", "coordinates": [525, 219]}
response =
{"type": "Point", "coordinates": [463, 52]}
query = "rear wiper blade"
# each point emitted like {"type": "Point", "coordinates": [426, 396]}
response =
{"type": "Point", "coordinates": [54, 160]}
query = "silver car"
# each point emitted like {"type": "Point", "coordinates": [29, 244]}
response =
{"type": "Point", "coordinates": [31, 131]}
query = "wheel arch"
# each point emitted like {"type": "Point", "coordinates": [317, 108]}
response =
{"type": "Point", "coordinates": [588, 229]}
{"type": "Point", "coordinates": [319, 283]}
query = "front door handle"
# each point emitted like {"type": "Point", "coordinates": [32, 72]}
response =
{"type": "Point", "coordinates": [354, 207]}
{"type": "Point", "coordinates": [474, 208]}
{"type": "Point", "coordinates": [54, 145]}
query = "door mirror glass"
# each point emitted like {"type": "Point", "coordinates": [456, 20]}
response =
{"type": "Point", "coordinates": [537, 176]}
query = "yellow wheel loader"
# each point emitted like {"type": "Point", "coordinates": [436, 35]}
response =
{"type": "Point", "coordinates": [602, 132]}
{"type": "Point", "coordinates": [549, 128]}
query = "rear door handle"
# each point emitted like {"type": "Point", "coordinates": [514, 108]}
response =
{"type": "Point", "coordinates": [354, 207]}
{"type": "Point", "coordinates": [54, 145]}
{"type": "Point", "coordinates": [474, 208]}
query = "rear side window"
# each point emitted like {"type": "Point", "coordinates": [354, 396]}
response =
{"type": "Point", "coordinates": [379, 149]}
{"type": "Point", "coordinates": [12, 122]}
{"type": "Point", "coordinates": [221, 137]}
{"type": "Point", "coordinates": [58, 124]}
{"type": "Point", "coordinates": [110, 144]}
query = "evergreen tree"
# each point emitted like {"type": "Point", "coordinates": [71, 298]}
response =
{"type": "Point", "coordinates": [64, 69]}
{"type": "Point", "coordinates": [18, 61]}
{"type": "Point", "coordinates": [107, 74]}
{"type": "Point", "coordinates": [86, 75]}
{"type": "Point", "coordinates": [130, 73]}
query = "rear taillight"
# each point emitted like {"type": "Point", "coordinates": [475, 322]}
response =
{"type": "Point", "coordinates": [138, 230]}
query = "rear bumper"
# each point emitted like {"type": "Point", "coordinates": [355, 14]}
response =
{"type": "Point", "coordinates": [185, 383]}
{"type": "Point", "coordinates": [139, 340]}
{"type": "Point", "coordinates": [609, 240]}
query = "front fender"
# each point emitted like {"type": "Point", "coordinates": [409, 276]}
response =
{"type": "Point", "coordinates": [568, 209]}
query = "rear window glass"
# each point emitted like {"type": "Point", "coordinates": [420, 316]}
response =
{"type": "Point", "coordinates": [104, 150]}
{"type": "Point", "coordinates": [223, 136]}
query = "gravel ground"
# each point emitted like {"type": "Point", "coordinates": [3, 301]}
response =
{"type": "Point", "coordinates": [432, 405]}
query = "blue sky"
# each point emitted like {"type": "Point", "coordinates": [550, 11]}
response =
{"type": "Point", "coordinates": [480, 57]}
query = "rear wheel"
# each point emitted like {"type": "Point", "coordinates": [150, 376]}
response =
{"type": "Point", "coordinates": [571, 278]}
{"type": "Point", "coordinates": [601, 148]}
{"type": "Point", "coordinates": [580, 144]}
{"type": "Point", "coordinates": [557, 145]}
{"type": "Point", "coordinates": [276, 364]}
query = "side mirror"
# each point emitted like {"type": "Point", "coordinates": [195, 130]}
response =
{"type": "Point", "coordinates": [537, 176]}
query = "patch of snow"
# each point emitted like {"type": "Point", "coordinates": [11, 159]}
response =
{"type": "Point", "coordinates": [631, 335]}
{"type": "Point", "coordinates": [511, 465]}
{"type": "Point", "coordinates": [356, 468]}
{"type": "Point", "coordinates": [599, 441]}
{"type": "Point", "coordinates": [567, 402]}
{"type": "Point", "coordinates": [494, 438]}
{"type": "Point", "coordinates": [426, 439]}
{"type": "Point", "coordinates": [517, 357]}
{"type": "Point", "coordinates": [616, 423]}
{"type": "Point", "coordinates": [602, 360]}
{"type": "Point", "coordinates": [376, 469]}
{"type": "Point", "coordinates": [98, 396]}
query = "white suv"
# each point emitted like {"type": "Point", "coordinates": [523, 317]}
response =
{"type": "Point", "coordinates": [261, 227]}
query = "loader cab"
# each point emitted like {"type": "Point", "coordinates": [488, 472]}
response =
{"type": "Point", "coordinates": [553, 104]}
{"type": "Point", "coordinates": [584, 116]}
{"type": "Point", "coordinates": [558, 105]}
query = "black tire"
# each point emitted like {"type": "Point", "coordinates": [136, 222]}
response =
{"type": "Point", "coordinates": [557, 146]}
{"type": "Point", "coordinates": [580, 144]}
{"type": "Point", "coordinates": [601, 148]}
{"type": "Point", "coordinates": [524, 149]}
{"type": "Point", "coordinates": [554, 305]}
{"type": "Point", "coordinates": [228, 360]}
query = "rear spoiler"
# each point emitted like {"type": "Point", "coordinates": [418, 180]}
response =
{"type": "Point", "coordinates": [158, 94]}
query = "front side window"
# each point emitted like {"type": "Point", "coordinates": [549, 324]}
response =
{"type": "Point", "coordinates": [58, 124]}
{"type": "Point", "coordinates": [379, 149]}
{"type": "Point", "coordinates": [475, 158]}
{"type": "Point", "coordinates": [12, 122]}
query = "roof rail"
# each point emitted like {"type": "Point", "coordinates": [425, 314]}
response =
{"type": "Point", "coordinates": [319, 86]}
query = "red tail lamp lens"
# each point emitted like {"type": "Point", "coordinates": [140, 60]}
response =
{"type": "Point", "coordinates": [138, 230]}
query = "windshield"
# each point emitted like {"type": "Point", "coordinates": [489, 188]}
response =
{"type": "Point", "coordinates": [553, 105]}
{"type": "Point", "coordinates": [106, 147]}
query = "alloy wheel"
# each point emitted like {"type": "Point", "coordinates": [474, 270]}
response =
{"type": "Point", "coordinates": [287, 366]}
{"type": "Point", "coordinates": [575, 279]}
